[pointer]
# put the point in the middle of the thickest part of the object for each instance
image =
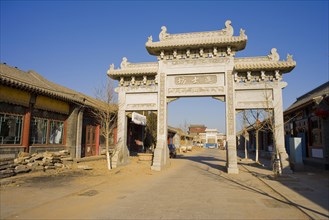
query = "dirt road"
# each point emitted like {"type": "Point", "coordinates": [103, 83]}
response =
{"type": "Point", "coordinates": [195, 186]}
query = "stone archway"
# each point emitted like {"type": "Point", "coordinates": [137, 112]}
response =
{"type": "Point", "coordinates": [201, 64]}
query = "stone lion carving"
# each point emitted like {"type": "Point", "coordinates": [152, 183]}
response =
{"type": "Point", "coordinates": [163, 34]}
{"type": "Point", "coordinates": [274, 56]}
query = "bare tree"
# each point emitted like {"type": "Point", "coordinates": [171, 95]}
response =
{"type": "Point", "coordinates": [106, 114]}
{"type": "Point", "coordinates": [272, 126]}
{"type": "Point", "coordinates": [245, 132]}
{"type": "Point", "coordinates": [184, 128]}
{"type": "Point", "coordinates": [241, 116]}
{"type": "Point", "coordinates": [254, 119]}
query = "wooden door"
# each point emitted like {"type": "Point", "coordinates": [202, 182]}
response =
{"type": "Point", "coordinates": [90, 149]}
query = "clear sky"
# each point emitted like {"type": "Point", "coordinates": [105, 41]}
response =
{"type": "Point", "coordinates": [72, 43]}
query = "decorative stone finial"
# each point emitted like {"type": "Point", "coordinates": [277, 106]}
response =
{"type": "Point", "coordinates": [132, 82]}
{"type": "Point", "coordinates": [112, 66]}
{"type": "Point", "coordinates": [201, 52]}
{"type": "Point", "coordinates": [277, 75]}
{"type": "Point", "coordinates": [156, 79]}
{"type": "Point", "coordinates": [175, 54]}
{"type": "Point", "coordinates": [228, 28]}
{"type": "Point", "coordinates": [249, 75]}
{"type": "Point", "coordinates": [162, 54]}
{"type": "Point", "coordinates": [262, 75]}
{"type": "Point", "coordinates": [163, 34]}
{"type": "Point", "coordinates": [144, 80]}
{"type": "Point", "coordinates": [274, 56]}
{"type": "Point", "coordinates": [215, 51]}
{"type": "Point", "coordinates": [124, 63]}
{"type": "Point", "coordinates": [150, 39]}
{"type": "Point", "coordinates": [229, 51]}
{"type": "Point", "coordinates": [122, 81]}
{"type": "Point", "coordinates": [289, 58]}
{"type": "Point", "coordinates": [188, 53]}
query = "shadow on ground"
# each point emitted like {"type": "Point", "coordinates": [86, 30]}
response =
{"type": "Point", "coordinates": [303, 183]}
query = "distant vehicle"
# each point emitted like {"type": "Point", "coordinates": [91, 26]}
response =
{"type": "Point", "coordinates": [172, 151]}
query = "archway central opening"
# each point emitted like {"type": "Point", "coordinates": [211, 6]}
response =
{"type": "Point", "coordinates": [195, 123]}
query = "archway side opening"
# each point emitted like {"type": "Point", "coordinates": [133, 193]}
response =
{"type": "Point", "coordinates": [255, 140]}
{"type": "Point", "coordinates": [141, 137]}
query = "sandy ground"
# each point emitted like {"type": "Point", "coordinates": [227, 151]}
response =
{"type": "Point", "coordinates": [78, 180]}
{"type": "Point", "coordinates": [54, 185]}
{"type": "Point", "coordinates": [197, 178]}
{"type": "Point", "coordinates": [74, 172]}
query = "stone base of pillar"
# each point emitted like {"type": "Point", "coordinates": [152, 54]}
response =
{"type": "Point", "coordinates": [160, 158]}
{"type": "Point", "coordinates": [159, 168]}
{"type": "Point", "coordinates": [284, 159]}
{"type": "Point", "coordinates": [158, 162]}
{"type": "Point", "coordinates": [121, 157]}
{"type": "Point", "coordinates": [232, 170]}
{"type": "Point", "coordinates": [156, 168]}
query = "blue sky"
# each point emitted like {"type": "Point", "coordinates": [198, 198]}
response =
{"type": "Point", "coordinates": [72, 43]}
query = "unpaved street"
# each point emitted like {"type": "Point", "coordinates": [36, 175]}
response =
{"type": "Point", "coordinates": [195, 186]}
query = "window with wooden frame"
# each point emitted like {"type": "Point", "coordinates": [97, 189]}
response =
{"type": "Point", "coordinates": [11, 127]}
{"type": "Point", "coordinates": [46, 131]}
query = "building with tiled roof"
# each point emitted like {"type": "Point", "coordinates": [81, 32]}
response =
{"type": "Point", "coordinates": [308, 118]}
{"type": "Point", "coordinates": [39, 115]}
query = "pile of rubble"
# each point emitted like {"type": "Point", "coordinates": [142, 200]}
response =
{"type": "Point", "coordinates": [36, 162]}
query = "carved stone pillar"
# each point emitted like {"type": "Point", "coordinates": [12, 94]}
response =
{"type": "Point", "coordinates": [279, 128]}
{"type": "Point", "coordinates": [121, 156]}
{"type": "Point", "coordinates": [161, 154]}
{"type": "Point", "coordinates": [231, 154]}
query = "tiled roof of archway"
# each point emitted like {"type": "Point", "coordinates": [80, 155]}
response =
{"type": "Point", "coordinates": [197, 40]}
{"type": "Point", "coordinates": [263, 63]}
{"type": "Point", "coordinates": [134, 69]}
